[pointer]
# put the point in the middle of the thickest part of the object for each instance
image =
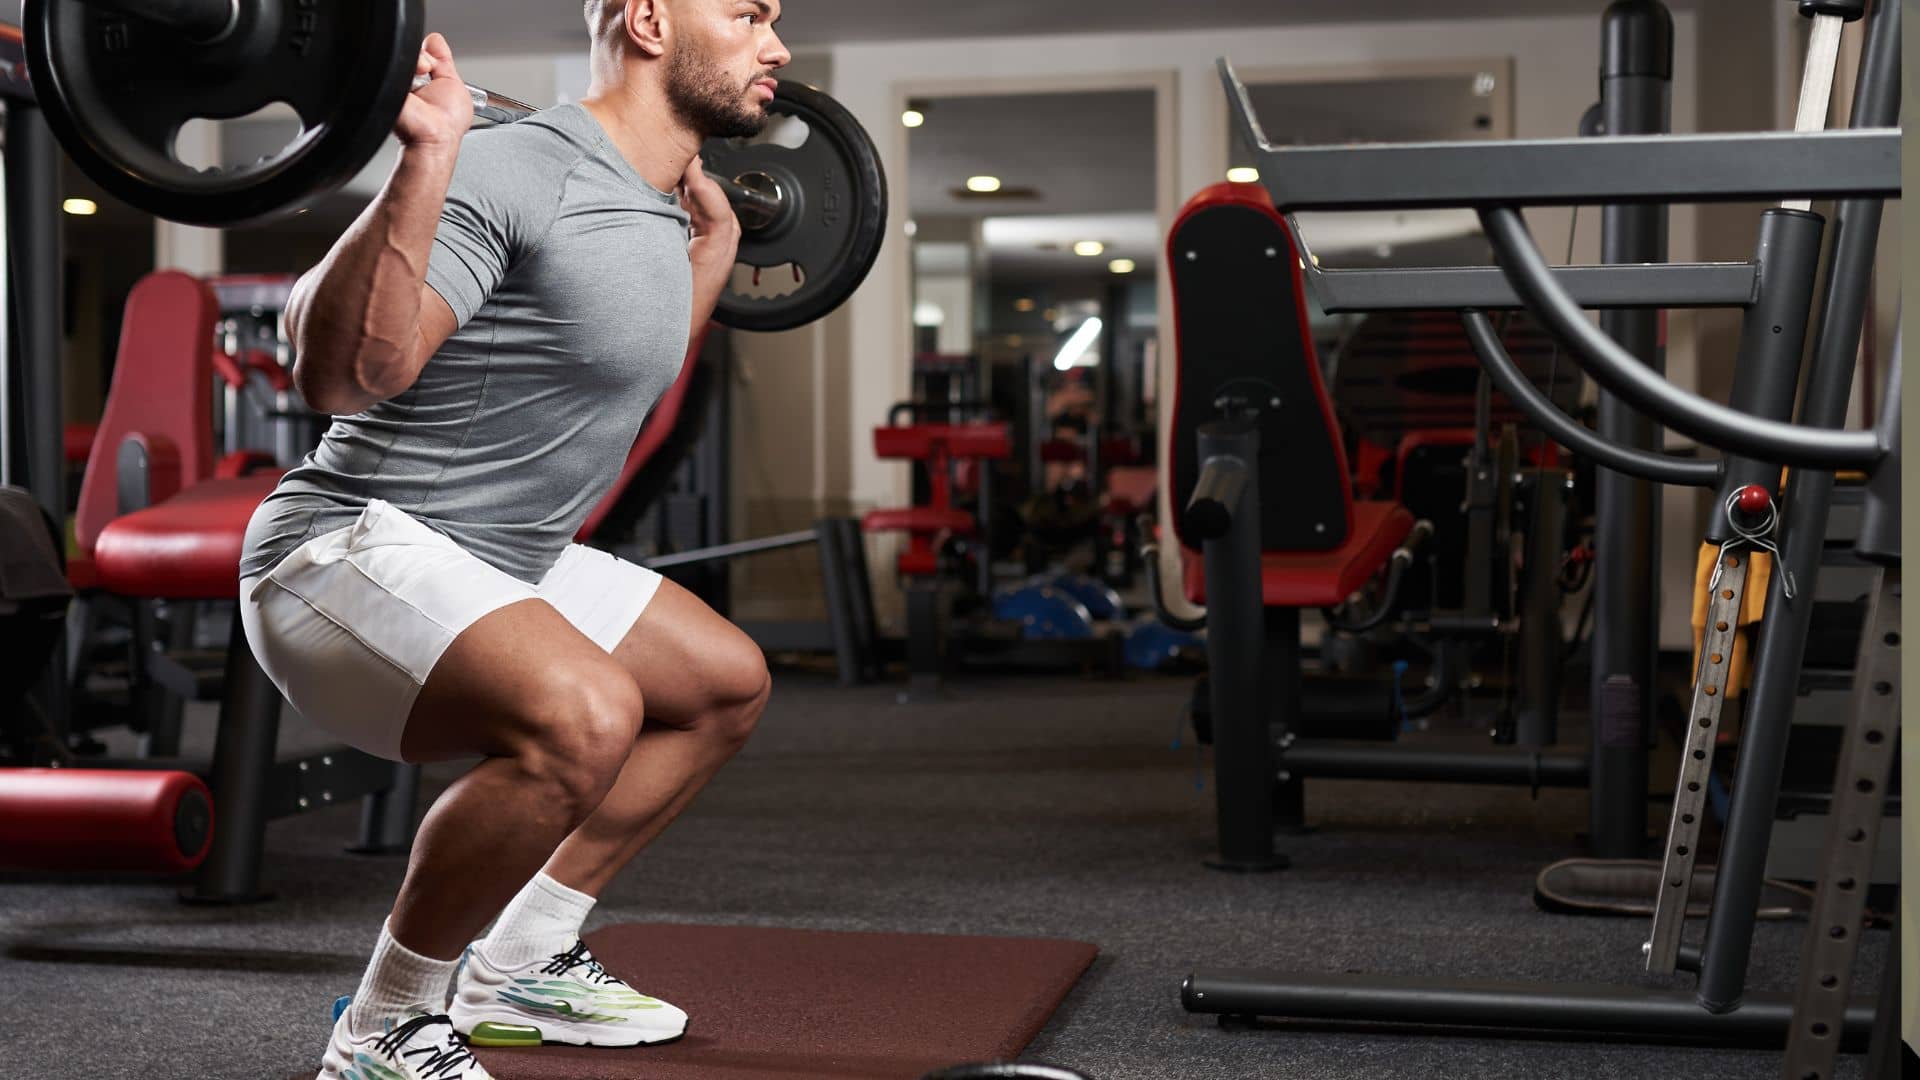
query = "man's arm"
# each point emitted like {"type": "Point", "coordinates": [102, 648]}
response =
{"type": "Point", "coordinates": [363, 322]}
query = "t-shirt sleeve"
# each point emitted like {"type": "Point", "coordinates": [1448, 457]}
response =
{"type": "Point", "coordinates": [496, 212]}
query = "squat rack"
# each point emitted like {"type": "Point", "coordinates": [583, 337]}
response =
{"type": "Point", "coordinates": [1629, 173]}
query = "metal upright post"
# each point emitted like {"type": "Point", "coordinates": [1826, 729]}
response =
{"type": "Point", "coordinates": [1781, 643]}
{"type": "Point", "coordinates": [1636, 78]}
{"type": "Point", "coordinates": [1243, 765]}
{"type": "Point", "coordinates": [33, 249]}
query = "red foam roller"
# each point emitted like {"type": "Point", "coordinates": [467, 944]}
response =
{"type": "Point", "coordinates": [103, 819]}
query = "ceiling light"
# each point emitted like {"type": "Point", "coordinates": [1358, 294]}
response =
{"type": "Point", "coordinates": [913, 118]}
{"type": "Point", "coordinates": [1121, 266]}
{"type": "Point", "coordinates": [1244, 175]}
{"type": "Point", "coordinates": [1089, 248]}
{"type": "Point", "coordinates": [913, 227]}
{"type": "Point", "coordinates": [983, 184]}
{"type": "Point", "coordinates": [1077, 345]}
{"type": "Point", "coordinates": [81, 207]}
{"type": "Point", "coordinates": [1023, 305]}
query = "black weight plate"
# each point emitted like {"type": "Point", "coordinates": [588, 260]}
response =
{"type": "Point", "coordinates": [837, 220]}
{"type": "Point", "coordinates": [116, 91]}
{"type": "Point", "coordinates": [1005, 1070]}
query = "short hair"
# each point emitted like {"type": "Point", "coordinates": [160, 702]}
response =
{"type": "Point", "coordinates": [597, 11]}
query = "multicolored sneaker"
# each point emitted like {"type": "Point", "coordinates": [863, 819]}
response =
{"type": "Point", "coordinates": [422, 1047]}
{"type": "Point", "coordinates": [567, 998]}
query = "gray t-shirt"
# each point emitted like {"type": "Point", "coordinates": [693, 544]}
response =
{"type": "Point", "coordinates": [569, 275]}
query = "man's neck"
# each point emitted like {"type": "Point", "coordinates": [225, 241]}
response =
{"type": "Point", "coordinates": [644, 129]}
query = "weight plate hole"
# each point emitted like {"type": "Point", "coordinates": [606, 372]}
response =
{"type": "Point", "coordinates": [1857, 835]}
{"type": "Point", "coordinates": [1846, 884]}
{"type": "Point", "coordinates": [1686, 819]}
{"type": "Point", "coordinates": [1883, 688]}
{"type": "Point", "coordinates": [1876, 738]}
{"type": "Point", "coordinates": [1863, 786]}
{"type": "Point", "coordinates": [787, 131]}
{"type": "Point", "coordinates": [240, 144]}
{"type": "Point", "coordinates": [1838, 933]}
{"type": "Point", "coordinates": [1829, 981]}
{"type": "Point", "coordinates": [1892, 639]}
{"type": "Point", "coordinates": [766, 282]}
{"type": "Point", "coordinates": [1699, 755]}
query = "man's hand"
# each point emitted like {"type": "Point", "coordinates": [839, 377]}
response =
{"type": "Point", "coordinates": [715, 240]}
{"type": "Point", "coordinates": [715, 229]}
{"type": "Point", "coordinates": [436, 117]}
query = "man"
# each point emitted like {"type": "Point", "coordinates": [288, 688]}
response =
{"type": "Point", "coordinates": [490, 334]}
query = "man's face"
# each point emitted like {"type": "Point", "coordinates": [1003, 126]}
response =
{"type": "Point", "coordinates": [720, 70]}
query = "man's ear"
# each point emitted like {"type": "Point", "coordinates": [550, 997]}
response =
{"type": "Point", "coordinates": [646, 26]}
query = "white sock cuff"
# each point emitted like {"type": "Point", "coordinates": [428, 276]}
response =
{"type": "Point", "coordinates": [544, 918]}
{"type": "Point", "coordinates": [557, 901]}
{"type": "Point", "coordinates": [396, 979]}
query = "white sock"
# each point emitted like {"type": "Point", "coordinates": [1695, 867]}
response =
{"type": "Point", "coordinates": [544, 919]}
{"type": "Point", "coordinates": [396, 980]}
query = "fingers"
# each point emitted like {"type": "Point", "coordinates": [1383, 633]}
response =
{"type": "Point", "coordinates": [436, 58]}
{"type": "Point", "coordinates": [706, 195]}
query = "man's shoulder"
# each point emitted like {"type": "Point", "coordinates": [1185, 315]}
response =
{"type": "Point", "coordinates": [537, 151]}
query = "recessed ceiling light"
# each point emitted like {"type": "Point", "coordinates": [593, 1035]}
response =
{"type": "Point", "coordinates": [1121, 266]}
{"type": "Point", "coordinates": [81, 207]}
{"type": "Point", "coordinates": [1244, 175]}
{"type": "Point", "coordinates": [1089, 248]}
{"type": "Point", "coordinates": [913, 118]}
{"type": "Point", "coordinates": [983, 184]}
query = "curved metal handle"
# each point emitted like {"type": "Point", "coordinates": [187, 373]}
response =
{"type": "Point", "coordinates": [1620, 372]}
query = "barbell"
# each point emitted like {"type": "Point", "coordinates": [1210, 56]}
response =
{"type": "Point", "coordinates": [119, 79]}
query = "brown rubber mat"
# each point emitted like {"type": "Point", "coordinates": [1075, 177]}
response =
{"type": "Point", "coordinates": [767, 1003]}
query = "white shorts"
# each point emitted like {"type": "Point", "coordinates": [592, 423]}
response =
{"type": "Point", "coordinates": [351, 623]}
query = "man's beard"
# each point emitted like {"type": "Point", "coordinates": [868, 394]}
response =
{"type": "Point", "coordinates": [702, 95]}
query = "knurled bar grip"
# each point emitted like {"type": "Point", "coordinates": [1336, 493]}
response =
{"type": "Point", "coordinates": [1696, 762]}
{"type": "Point", "coordinates": [1859, 786]}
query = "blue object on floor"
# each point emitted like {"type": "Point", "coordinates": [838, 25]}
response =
{"type": "Point", "coordinates": [340, 1005]}
{"type": "Point", "coordinates": [1095, 595]}
{"type": "Point", "coordinates": [1044, 613]}
{"type": "Point", "coordinates": [1152, 645]}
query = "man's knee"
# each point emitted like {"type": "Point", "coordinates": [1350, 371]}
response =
{"type": "Point", "coordinates": [580, 731]}
{"type": "Point", "coordinates": [740, 695]}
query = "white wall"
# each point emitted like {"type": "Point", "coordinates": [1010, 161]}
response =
{"type": "Point", "coordinates": [1555, 64]}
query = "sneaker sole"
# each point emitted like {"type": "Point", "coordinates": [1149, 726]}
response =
{"type": "Point", "coordinates": [498, 1030]}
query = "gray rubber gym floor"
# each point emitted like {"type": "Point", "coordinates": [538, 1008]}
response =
{"type": "Point", "coordinates": [1051, 807]}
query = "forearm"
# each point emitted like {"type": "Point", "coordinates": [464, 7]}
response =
{"type": "Point", "coordinates": [709, 281]}
{"type": "Point", "coordinates": [354, 319]}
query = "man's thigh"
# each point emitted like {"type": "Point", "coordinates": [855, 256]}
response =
{"type": "Point", "coordinates": [685, 657]}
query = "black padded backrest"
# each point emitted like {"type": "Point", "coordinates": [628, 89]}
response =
{"type": "Point", "coordinates": [1240, 330]}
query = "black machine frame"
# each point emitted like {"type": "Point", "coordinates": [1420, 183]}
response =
{"type": "Point", "coordinates": [1630, 172]}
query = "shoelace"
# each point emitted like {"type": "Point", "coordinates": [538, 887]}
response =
{"type": "Point", "coordinates": [565, 962]}
{"type": "Point", "coordinates": [450, 1059]}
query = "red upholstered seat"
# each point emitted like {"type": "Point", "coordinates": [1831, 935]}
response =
{"type": "Point", "coordinates": [989, 439]}
{"type": "Point", "coordinates": [186, 548]}
{"type": "Point", "coordinates": [1306, 579]}
{"type": "Point", "coordinates": [919, 519]}
{"type": "Point", "coordinates": [160, 391]}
